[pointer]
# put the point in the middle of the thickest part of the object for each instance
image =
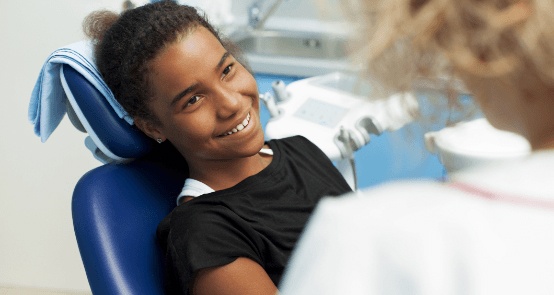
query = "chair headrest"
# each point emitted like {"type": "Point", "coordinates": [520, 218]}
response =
{"type": "Point", "coordinates": [111, 139]}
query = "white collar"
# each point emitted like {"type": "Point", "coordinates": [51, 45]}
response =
{"type": "Point", "coordinates": [194, 188]}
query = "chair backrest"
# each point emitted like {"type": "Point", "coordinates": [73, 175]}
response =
{"type": "Point", "coordinates": [117, 207]}
{"type": "Point", "coordinates": [113, 138]}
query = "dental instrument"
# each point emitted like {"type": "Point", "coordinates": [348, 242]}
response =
{"type": "Point", "coordinates": [338, 112]}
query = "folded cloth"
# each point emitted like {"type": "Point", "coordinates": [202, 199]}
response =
{"type": "Point", "coordinates": [47, 106]}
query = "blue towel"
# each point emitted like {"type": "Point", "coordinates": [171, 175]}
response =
{"type": "Point", "coordinates": [47, 105]}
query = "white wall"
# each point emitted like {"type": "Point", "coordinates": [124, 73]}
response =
{"type": "Point", "coordinates": [37, 244]}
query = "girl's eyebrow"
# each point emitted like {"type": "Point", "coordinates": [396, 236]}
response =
{"type": "Point", "coordinates": [183, 93]}
{"type": "Point", "coordinates": [192, 87]}
{"type": "Point", "coordinates": [222, 60]}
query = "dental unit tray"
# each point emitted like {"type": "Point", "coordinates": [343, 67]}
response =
{"type": "Point", "coordinates": [337, 112]}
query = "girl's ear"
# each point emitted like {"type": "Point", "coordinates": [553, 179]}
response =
{"type": "Point", "coordinates": [150, 129]}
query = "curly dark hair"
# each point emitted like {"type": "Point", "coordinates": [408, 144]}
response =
{"type": "Point", "coordinates": [126, 43]}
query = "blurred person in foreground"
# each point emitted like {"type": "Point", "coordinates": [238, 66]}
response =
{"type": "Point", "coordinates": [487, 230]}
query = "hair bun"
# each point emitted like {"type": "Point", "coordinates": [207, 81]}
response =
{"type": "Point", "coordinates": [97, 23]}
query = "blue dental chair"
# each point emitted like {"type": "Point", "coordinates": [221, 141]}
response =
{"type": "Point", "coordinates": [116, 207]}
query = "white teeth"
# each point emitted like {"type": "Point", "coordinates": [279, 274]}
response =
{"type": "Point", "coordinates": [239, 127]}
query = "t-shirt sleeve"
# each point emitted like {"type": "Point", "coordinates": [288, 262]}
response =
{"type": "Point", "coordinates": [208, 236]}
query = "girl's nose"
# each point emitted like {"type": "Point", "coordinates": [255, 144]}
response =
{"type": "Point", "coordinates": [228, 103]}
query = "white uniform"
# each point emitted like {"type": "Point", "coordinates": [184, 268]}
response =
{"type": "Point", "coordinates": [489, 231]}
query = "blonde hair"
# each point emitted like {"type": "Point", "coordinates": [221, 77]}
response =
{"type": "Point", "coordinates": [404, 40]}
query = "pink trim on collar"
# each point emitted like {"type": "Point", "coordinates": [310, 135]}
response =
{"type": "Point", "coordinates": [487, 194]}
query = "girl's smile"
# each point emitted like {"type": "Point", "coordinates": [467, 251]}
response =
{"type": "Point", "coordinates": [240, 126]}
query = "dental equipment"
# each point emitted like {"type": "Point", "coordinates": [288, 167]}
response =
{"type": "Point", "coordinates": [269, 102]}
{"type": "Point", "coordinates": [336, 113]}
{"type": "Point", "coordinates": [473, 143]}
{"type": "Point", "coordinates": [280, 90]}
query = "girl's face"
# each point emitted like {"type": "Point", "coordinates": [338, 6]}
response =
{"type": "Point", "coordinates": [207, 103]}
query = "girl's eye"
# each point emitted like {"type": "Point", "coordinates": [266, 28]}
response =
{"type": "Point", "coordinates": [193, 100]}
{"type": "Point", "coordinates": [227, 70]}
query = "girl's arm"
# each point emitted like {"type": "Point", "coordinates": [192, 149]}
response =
{"type": "Point", "coordinates": [242, 276]}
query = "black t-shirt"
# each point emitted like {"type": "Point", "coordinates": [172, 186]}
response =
{"type": "Point", "coordinates": [260, 218]}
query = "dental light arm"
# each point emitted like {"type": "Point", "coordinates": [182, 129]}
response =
{"type": "Point", "coordinates": [335, 113]}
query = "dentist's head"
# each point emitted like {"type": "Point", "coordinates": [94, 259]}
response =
{"type": "Point", "coordinates": [503, 50]}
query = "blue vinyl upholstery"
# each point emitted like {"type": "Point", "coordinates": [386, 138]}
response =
{"type": "Point", "coordinates": [101, 121]}
{"type": "Point", "coordinates": [116, 207]}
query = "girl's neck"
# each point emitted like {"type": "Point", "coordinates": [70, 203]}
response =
{"type": "Point", "coordinates": [224, 174]}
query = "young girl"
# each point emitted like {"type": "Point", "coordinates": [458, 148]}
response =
{"type": "Point", "coordinates": [246, 201]}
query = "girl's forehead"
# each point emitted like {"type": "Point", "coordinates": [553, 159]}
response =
{"type": "Point", "coordinates": [198, 42]}
{"type": "Point", "coordinates": [193, 60]}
